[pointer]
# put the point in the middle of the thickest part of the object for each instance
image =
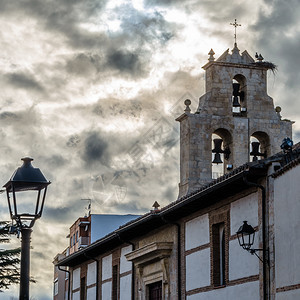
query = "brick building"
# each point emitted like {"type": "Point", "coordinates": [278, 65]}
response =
{"type": "Point", "coordinates": [83, 232]}
{"type": "Point", "coordinates": [189, 249]}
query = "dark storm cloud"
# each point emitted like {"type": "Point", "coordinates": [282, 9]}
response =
{"type": "Point", "coordinates": [125, 61]}
{"type": "Point", "coordinates": [281, 17]}
{"type": "Point", "coordinates": [63, 16]}
{"type": "Point", "coordinates": [278, 39]}
{"type": "Point", "coordinates": [100, 148]}
{"type": "Point", "coordinates": [7, 116]}
{"type": "Point", "coordinates": [95, 149]}
{"type": "Point", "coordinates": [150, 28]}
{"type": "Point", "coordinates": [23, 81]}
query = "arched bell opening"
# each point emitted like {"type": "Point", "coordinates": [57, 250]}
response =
{"type": "Point", "coordinates": [259, 146]}
{"type": "Point", "coordinates": [221, 143]}
{"type": "Point", "coordinates": [239, 93]}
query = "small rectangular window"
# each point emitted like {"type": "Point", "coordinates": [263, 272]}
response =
{"type": "Point", "coordinates": [55, 292]}
{"type": "Point", "coordinates": [115, 281]}
{"type": "Point", "coordinates": [219, 254]}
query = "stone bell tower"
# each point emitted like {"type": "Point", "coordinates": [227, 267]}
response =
{"type": "Point", "coordinates": [235, 121]}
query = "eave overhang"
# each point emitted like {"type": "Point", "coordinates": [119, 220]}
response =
{"type": "Point", "coordinates": [226, 186]}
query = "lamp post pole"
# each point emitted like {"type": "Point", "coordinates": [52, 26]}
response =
{"type": "Point", "coordinates": [25, 263]}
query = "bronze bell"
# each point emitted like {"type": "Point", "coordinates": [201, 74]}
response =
{"type": "Point", "coordinates": [236, 88]}
{"type": "Point", "coordinates": [236, 94]}
{"type": "Point", "coordinates": [255, 151]}
{"type": "Point", "coordinates": [217, 159]}
{"type": "Point", "coordinates": [217, 150]}
{"type": "Point", "coordinates": [217, 145]}
{"type": "Point", "coordinates": [235, 102]}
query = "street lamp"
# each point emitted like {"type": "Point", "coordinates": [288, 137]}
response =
{"type": "Point", "coordinates": [246, 234]}
{"type": "Point", "coordinates": [25, 179]}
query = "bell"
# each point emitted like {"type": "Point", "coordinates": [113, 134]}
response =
{"type": "Point", "coordinates": [217, 159]}
{"type": "Point", "coordinates": [255, 152]}
{"type": "Point", "coordinates": [217, 146]}
{"type": "Point", "coordinates": [236, 94]}
{"type": "Point", "coordinates": [235, 102]}
{"type": "Point", "coordinates": [217, 150]}
{"type": "Point", "coordinates": [236, 88]}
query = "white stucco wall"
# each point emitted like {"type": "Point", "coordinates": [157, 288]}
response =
{"type": "Point", "coordinates": [197, 232]}
{"type": "Point", "coordinates": [91, 293]}
{"type": "Point", "coordinates": [244, 209]}
{"type": "Point", "coordinates": [76, 296]}
{"type": "Point", "coordinates": [125, 287]}
{"type": "Point", "coordinates": [288, 295]}
{"type": "Point", "coordinates": [246, 291]}
{"type": "Point", "coordinates": [286, 228]}
{"type": "Point", "coordinates": [106, 290]}
{"type": "Point", "coordinates": [125, 265]}
{"type": "Point", "coordinates": [107, 267]}
{"type": "Point", "coordinates": [76, 279]}
{"type": "Point", "coordinates": [91, 273]}
{"type": "Point", "coordinates": [241, 262]}
{"type": "Point", "coordinates": [198, 269]}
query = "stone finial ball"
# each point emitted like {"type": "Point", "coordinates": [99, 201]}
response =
{"type": "Point", "coordinates": [187, 102]}
{"type": "Point", "coordinates": [278, 109]}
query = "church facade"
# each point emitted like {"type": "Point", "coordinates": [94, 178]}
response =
{"type": "Point", "coordinates": [190, 249]}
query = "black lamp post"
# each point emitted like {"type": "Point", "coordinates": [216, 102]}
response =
{"type": "Point", "coordinates": [24, 179]}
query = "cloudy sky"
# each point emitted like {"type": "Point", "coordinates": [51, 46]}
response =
{"type": "Point", "coordinates": [90, 89]}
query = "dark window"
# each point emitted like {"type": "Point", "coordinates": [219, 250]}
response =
{"type": "Point", "coordinates": [115, 281]}
{"type": "Point", "coordinates": [155, 291]}
{"type": "Point", "coordinates": [82, 288]}
{"type": "Point", "coordinates": [219, 254]}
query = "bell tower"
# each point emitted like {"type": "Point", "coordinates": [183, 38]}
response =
{"type": "Point", "coordinates": [235, 121]}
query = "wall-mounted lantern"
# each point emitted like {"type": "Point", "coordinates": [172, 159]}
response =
{"type": "Point", "coordinates": [246, 235]}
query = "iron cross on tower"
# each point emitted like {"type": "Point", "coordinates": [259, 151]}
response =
{"type": "Point", "coordinates": [235, 24]}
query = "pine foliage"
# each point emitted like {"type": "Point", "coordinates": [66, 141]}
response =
{"type": "Point", "coordinates": [9, 260]}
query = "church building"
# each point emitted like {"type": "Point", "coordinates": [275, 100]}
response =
{"type": "Point", "coordinates": [232, 232]}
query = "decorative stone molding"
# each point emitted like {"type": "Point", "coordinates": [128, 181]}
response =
{"type": "Point", "coordinates": [150, 253]}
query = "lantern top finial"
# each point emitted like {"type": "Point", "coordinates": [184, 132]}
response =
{"type": "Point", "coordinates": [27, 160]}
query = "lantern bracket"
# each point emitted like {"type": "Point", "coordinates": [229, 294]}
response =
{"type": "Point", "coordinates": [253, 252]}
